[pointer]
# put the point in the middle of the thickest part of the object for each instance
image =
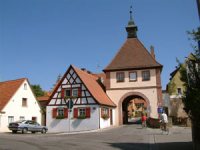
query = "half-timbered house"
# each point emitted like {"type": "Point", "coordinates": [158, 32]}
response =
{"type": "Point", "coordinates": [79, 103]}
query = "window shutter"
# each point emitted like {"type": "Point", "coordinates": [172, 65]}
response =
{"type": "Point", "coordinates": [75, 112]}
{"type": "Point", "coordinates": [87, 112]}
{"type": "Point", "coordinates": [108, 113]}
{"type": "Point", "coordinates": [79, 92]}
{"type": "Point", "coordinates": [65, 113]}
{"type": "Point", "coordinates": [54, 112]}
{"type": "Point", "coordinates": [62, 93]}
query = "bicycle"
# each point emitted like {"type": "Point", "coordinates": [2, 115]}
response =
{"type": "Point", "coordinates": [164, 127]}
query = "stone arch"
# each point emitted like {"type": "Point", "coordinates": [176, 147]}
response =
{"type": "Point", "coordinates": [126, 96]}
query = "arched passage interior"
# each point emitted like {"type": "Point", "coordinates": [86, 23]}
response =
{"type": "Point", "coordinates": [132, 108]}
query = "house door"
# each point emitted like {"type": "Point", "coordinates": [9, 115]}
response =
{"type": "Point", "coordinates": [34, 119]}
{"type": "Point", "coordinates": [111, 117]}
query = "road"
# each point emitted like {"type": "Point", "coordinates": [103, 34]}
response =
{"type": "Point", "coordinates": [128, 137]}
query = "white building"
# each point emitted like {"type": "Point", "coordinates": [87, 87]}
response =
{"type": "Point", "coordinates": [92, 108]}
{"type": "Point", "coordinates": [17, 102]}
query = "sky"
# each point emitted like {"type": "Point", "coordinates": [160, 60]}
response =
{"type": "Point", "coordinates": [39, 39]}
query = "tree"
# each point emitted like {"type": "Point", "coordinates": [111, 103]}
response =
{"type": "Point", "coordinates": [190, 75]}
{"type": "Point", "coordinates": [37, 90]}
{"type": "Point", "coordinates": [59, 77]}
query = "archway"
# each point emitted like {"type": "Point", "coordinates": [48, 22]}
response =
{"type": "Point", "coordinates": [132, 105]}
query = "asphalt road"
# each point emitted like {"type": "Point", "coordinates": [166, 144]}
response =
{"type": "Point", "coordinates": [129, 137]}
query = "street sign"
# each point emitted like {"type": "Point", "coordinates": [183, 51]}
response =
{"type": "Point", "coordinates": [160, 110]}
{"type": "Point", "coordinates": [70, 104]}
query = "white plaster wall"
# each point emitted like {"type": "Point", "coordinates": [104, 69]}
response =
{"type": "Point", "coordinates": [14, 107]}
{"type": "Point", "coordinates": [62, 125]}
{"type": "Point", "coordinates": [116, 95]}
{"type": "Point", "coordinates": [135, 84]}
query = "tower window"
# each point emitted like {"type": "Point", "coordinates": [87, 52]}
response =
{"type": "Point", "coordinates": [132, 76]}
{"type": "Point", "coordinates": [146, 75]}
{"type": "Point", "coordinates": [120, 76]}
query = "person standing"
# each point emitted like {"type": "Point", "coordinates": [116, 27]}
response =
{"type": "Point", "coordinates": [144, 119]}
{"type": "Point", "coordinates": [164, 120]}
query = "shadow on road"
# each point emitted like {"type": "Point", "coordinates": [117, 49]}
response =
{"type": "Point", "coordinates": [158, 146]}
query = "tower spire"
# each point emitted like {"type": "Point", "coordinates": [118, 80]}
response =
{"type": "Point", "coordinates": [131, 27]}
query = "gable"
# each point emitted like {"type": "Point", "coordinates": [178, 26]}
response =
{"type": "Point", "coordinates": [8, 89]}
{"type": "Point", "coordinates": [69, 83]}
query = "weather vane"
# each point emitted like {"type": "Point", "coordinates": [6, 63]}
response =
{"type": "Point", "coordinates": [131, 12]}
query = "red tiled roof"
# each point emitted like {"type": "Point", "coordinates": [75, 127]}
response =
{"type": "Point", "coordinates": [43, 98]}
{"type": "Point", "coordinates": [95, 89]}
{"type": "Point", "coordinates": [132, 55]}
{"type": "Point", "coordinates": [8, 89]}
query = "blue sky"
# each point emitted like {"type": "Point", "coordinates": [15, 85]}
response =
{"type": "Point", "coordinates": [39, 39]}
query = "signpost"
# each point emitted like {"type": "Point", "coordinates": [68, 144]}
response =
{"type": "Point", "coordinates": [70, 105]}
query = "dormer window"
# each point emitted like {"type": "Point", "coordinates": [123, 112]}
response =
{"type": "Point", "coordinates": [120, 76]}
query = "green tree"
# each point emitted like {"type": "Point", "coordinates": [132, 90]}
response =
{"type": "Point", "coordinates": [190, 75]}
{"type": "Point", "coordinates": [37, 90]}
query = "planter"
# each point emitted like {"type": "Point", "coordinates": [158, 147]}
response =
{"type": "Point", "coordinates": [60, 117]}
{"type": "Point", "coordinates": [81, 117]}
{"type": "Point", "coordinates": [105, 117]}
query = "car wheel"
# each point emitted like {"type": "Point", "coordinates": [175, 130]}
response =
{"type": "Point", "coordinates": [24, 130]}
{"type": "Point", "coordinates": [43, 130]}
{"type": "Point", "coordinates": [14, 131]}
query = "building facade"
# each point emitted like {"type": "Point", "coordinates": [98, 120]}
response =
{"type": "Point", "coordinates": [133, 73]}
{"type": "Point", "coordinates": [17, 102]}
{"type": "Point", "coordinates": [79, 103]}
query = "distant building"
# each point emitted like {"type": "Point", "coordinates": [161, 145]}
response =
{"type": "Point", "coordinates": [17, 102]}
{"type": "Point", "coordinates": [176, 88]}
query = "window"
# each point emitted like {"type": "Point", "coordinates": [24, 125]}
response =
{"type": "Point", "coordinates": [10, 119]}
{"type": "Point", "coordinates": [67, 92]}
{"type": "Point", "coordinates": [25, 86]}
{"type": "Point", "coordinates": [75, 92]}
{"type": "Point", "coordinates": [24, 102]}
{"type": "Point", "coordinates": [132, 76]}
{"type": "Point", "coordinates": [120, 76]}
{"type": "Point", "coordinates": [21, 118]}
{"type": "Point", "coordinates": [179, 91]}
{"type": "Point", "coordinates": [146, 75]}
{"type": "Point", "coordinates": [82, 112]}
{"type": "Point", "coordinates": [71, 92]}
{"type": "Point", "coordinates": [105, 113]}
{"type": "Point", "coordinates": [60, 113]}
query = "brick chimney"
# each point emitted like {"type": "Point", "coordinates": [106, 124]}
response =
{"type": "Point", "coordinates": [152, 52]}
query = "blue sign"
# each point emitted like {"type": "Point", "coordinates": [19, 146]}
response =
{"type": "Point", "coordinates": [160, 110]}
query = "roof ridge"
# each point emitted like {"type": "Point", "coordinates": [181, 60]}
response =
{"type": "Point", "coordinates": [13, 80]}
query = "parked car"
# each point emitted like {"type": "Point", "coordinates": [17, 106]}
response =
{"type": "Point", "coordinates": [27, 126]}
